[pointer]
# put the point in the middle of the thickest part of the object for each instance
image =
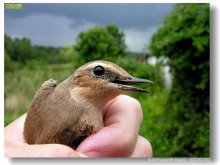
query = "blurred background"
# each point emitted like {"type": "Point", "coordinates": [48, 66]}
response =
{"type": "Point", "coordinates": [166, 43]}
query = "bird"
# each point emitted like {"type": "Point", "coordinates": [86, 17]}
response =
{"type": "Point", "coordinates": [69, 112]}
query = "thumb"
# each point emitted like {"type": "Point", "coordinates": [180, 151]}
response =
{"type": "Point", "coordinates": [107, 143]}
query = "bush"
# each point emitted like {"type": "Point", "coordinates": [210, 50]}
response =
{"type": "Point", "coordinates": [10, 65]}
{"type": "Point", "coordinates": [184, 40]}
{"type": "Point", "coordinates": [37, 65]}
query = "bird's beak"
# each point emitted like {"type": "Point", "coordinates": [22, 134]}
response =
{"type": "Point", "coordinates": [123, 84]}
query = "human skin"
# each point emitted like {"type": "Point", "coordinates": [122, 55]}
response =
{"type": "Point", "coordinates": [119, 138]}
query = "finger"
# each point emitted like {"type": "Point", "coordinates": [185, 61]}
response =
{"type": "Point", "coordinates": [16, 129]}
{"type": "Point", "coordinates": [143, 148]}
{"type": "Point", "coordinates": [122, 119]}
{"type": "Point", "coordinates": [46, 150]}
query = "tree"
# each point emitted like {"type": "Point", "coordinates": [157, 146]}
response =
{"type": "Point", "coordinates": [68, 54]}
{"type": "Point", "coordinates": [119, 37]}
{"type": "Point", "coordinates": [19, 50]}
{"type": "Point", "coordinates": [100, 43]}
{"type": "Point", "coordinates": [22, 51]}
{"type": "Point", "coordinates": [183, 39]}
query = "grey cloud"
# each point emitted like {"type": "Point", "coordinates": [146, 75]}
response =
{"type": "Point", "coordinates": [124, 15]}
{"type": "Point", "coordinates": [45, 29]}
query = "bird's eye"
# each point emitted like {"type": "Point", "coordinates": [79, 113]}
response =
{"type": "Point", "coordinates": [98, 70]}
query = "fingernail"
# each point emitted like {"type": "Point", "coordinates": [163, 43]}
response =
{"type": "Point", "coordinates": [93, 154]}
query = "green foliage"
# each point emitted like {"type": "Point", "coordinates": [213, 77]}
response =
{"type": "Point", "coordinates": [68, 54]}
{"type": "Point", "coordinates": [118, 36]}
{"type": "Point", "coordinates": [48, 54]}
{"type": "Point", "coordinates": [36, 65]}
{"type": "Point", "coordinates": [9, 64]}
{"type": "Point", "coordinates": [21, 51]}
{"type": "Point", "coordinates": [183, 39]}
{"type": "Point", "coordinates": [100, 43]}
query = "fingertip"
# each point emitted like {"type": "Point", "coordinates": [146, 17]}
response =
{"type": "Point", "coordinates": [136, 106]}
{"type": "Point", "coordinates": [118, 104]}
{"type": "Point", "coordinates": [143, 148]}
{"type": "Point", "coordinates": [134, 103]}
{"type": "Point", "coordinates": [148, 149]}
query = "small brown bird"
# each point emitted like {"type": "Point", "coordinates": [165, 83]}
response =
{"type": "Point", "coordinates": [71, 111]}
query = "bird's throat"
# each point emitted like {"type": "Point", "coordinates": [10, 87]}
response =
{"type": "Point", "coordinates": [91, 109]}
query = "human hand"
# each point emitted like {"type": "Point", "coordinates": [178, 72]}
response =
{"type": "Point", "coordinates": [15, 145]}
{"type": "Point", "coordinates": [119, 138]}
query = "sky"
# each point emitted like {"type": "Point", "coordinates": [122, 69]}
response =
{"type": "Point", "coordinates": [59, 24]}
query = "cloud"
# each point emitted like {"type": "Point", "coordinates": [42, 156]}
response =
{"type": "Point", "coordinates": [125, 15]}
{"type": "Point", "coordinates": [138, 40]}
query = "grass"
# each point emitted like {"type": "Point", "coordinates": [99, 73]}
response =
{"type": "Point", "coordinates": [21, 86]}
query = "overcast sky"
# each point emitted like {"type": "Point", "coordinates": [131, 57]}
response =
{"type": "Point", "coordinates": [59, 24]}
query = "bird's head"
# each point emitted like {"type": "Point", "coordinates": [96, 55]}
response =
{"type": "Point", "coordinates": [104, 80]}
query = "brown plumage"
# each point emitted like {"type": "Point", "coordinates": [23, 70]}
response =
{"type": "Point", "coordinates": [71, 111]}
